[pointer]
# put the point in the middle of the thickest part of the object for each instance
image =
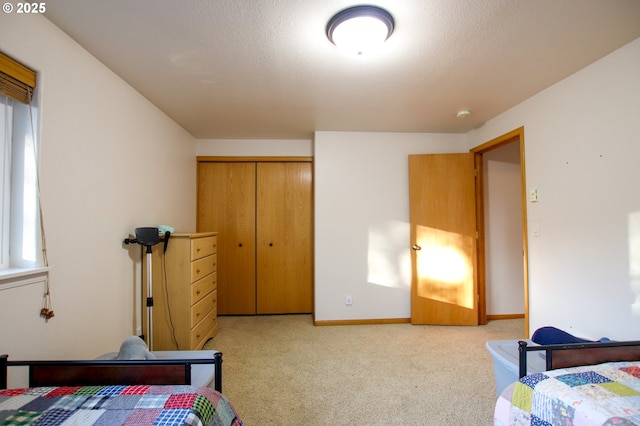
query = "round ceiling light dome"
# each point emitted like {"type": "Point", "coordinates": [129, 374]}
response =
{"type": "Point", "coordinates": [360, 29]}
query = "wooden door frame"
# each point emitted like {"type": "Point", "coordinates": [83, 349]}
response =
{"type": "Point", "coordinates": [516, 135]}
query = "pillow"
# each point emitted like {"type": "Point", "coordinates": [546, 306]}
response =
{"type": "Point", "coordinates": [555, 336]}
{"type": "Point", "coordinates": [134, 348]}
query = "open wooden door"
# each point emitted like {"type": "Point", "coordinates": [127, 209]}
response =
{"type": "Point", "coordinates": [443, 237]}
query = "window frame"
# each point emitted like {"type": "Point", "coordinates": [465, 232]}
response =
{"type": "Point", "coordinates": [18, 86]}
{"type": "Point", "coordinates": [6, 115]}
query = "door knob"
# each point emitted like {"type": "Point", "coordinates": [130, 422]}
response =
{"type": "Point", "coordinates": [416, 247]}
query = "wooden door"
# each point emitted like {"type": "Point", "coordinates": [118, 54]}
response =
{"type": "Point", "coordinates": [443, 238]}
{"type": "Point", "coordinates": [226, 204]}
{"type": "Point", "coordinates": [284, 238]}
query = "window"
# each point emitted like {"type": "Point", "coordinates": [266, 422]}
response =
{"type": "Point", "coordinates": [20, 215]}
{"type": "Point", "coordinates": [20, 241]}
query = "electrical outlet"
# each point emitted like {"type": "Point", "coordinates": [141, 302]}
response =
{"type": "Point", "coordinates": [348, 300]}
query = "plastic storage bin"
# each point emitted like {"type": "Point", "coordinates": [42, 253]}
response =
{"type": "Point", "coordinates": [506, 363]}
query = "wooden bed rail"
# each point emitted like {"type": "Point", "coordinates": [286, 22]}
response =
{"type": "Point", "coordinates": [112, 372]}
{"type": "Point", "coordinates": [576, 354]}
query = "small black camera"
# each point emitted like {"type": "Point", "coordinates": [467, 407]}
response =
{"type": "Point", "coordinates": [147, 236]}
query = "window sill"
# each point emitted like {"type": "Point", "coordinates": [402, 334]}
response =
{"type": "Point", "coordinates": [16, 277]}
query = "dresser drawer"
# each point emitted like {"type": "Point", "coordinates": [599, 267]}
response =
{"type": "Point", "coordinates": [201, 247]}
{"type": "Point", "coordinates": [204, 307]}
{"type": "Point", "coordinates": [203, 329]}
{"type": "Point", "coordinates": [203, 267]}
{"type": "Point", "coordinates": [202, 287]}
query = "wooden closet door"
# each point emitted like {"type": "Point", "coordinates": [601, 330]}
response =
{"type": "Point", "coordinates": [284, 238]}
{"type": "Point", "coordinates": [226, 204]}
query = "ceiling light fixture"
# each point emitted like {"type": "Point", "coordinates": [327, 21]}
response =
{"type": "Point", "coordinates": [360, 29]}
{"type": "Point", "coordinates": [463, 113]}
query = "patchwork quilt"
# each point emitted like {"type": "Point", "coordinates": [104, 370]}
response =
{"type": "Point", "coordinates": [138, 405]}
{"type": "Point", "coordinates": [604, 394]}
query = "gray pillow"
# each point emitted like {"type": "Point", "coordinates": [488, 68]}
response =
{"type": "Point", "coordinates": [134, 348]}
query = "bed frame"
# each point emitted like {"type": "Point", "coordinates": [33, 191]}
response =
{"type": "Point", "coordinates": [111, 372]}
{"type": "Point", "coordinates": [576, 354]}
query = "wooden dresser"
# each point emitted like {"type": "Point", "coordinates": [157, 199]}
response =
{"type": "Point", "coordinates": [184, 292]}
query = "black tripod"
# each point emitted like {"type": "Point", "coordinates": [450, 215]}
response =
{"type": "Point", "coordinates": [149, 237]}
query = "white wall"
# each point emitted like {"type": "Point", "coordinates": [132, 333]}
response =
{"type": "Point", "coordinates": [110, 162]}
{"type": "Point", "coordinates": [362, 221]}
{"type": "Point", "coordinates": [255, 147]}
{"type": "Point", "coordinates": [503, 230]}
{"type": "Point", "coordinates": [582, 141]}
{"type": "Point", "coordinates": [361, 213]}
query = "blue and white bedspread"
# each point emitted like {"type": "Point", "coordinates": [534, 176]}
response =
{"type": "Point", "coordinates": [138, 405]}
{"type": "Point", "coordinates": [604, 394]}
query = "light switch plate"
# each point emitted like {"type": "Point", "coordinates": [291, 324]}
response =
{"type": "Point", "coordinates": [533, 195]}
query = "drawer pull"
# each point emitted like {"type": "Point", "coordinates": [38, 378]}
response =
{"type": "Point", "coordinates": [197, 292]}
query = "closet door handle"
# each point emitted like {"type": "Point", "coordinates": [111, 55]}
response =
{"type": "Point", "coordinates": [270, 244]}
{"type": "Point", "coordinates": [416, 247]}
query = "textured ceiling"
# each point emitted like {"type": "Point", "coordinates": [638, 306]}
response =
{"type": "Point", "coordinates": [240, 69]}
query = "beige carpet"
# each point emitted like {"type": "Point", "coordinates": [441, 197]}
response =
{"type": "Point", "coordinates": [283, 370]}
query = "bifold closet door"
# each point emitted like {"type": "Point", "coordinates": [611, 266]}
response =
{"type": "Point", "coordinates": [284, 238]}
{"type": "Point", "coordinates": [226, 204]}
